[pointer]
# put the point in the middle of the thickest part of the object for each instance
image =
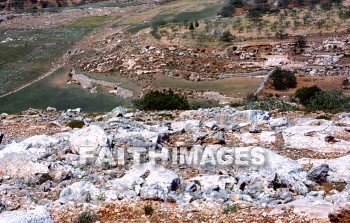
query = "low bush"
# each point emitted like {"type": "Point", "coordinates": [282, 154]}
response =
{"type": "Point", "coordinates": [227, 37]}
{"type": "Point", "coordinates": [157, 100]}
{"type": "Point", "coordinates": [230, 209]}
{"type": "Point", "coordinates": [283, 79]}
{"type": "Point", "coordinates": [269, 104]}
{"type": "Point", "coordinates": [86, 217]}
{"type": "Point", "coordinates": [75, 124]}
{"type": "Point", "coordinates": [325, 117]}
{"type": "Point", "coordinates": [148, 209]}
{"type": "Point", "coordinates": [305, 94]}
{"type": "Point", "coordinates": [333, 101]}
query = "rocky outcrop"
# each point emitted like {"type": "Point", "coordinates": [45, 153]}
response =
{"type": "Point", "coordinates": [195, 159]}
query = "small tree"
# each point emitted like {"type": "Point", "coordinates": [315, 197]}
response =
{"type": "Point", "coordinates": [191, 26]}
{"type": "Point", "coordinates": [196, 24]}
{"type": "Point", "coordinates": [157, 100]}
{"type": "Point", "coordinates": [300, 41]}
{"type": "Point", "coordinates": [305, 94]}
{"type": "Point", "coordinates": [283, 79]}
{"type": "Point", "coordinates": [226, 37]}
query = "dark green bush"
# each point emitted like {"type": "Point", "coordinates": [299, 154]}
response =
{"type": "Point", "coordinates": [251, 97]}
{"type": "Point", "coordinates": [226, 37]}
{"type": "Point", "coordinates": [325, 117]}
{"type": "Point", "coordinates": [304, 94]}
{"type": "Point", "coordinates": [157, 100]}
{"type": "Point", "coordinates": [333, 101]}
{"type": "Point", "coordinates": [86, 217]}
{"type": "Point", "coordinates": [283, 79]}
{"type": "Point", "coordinates": [75, 124]}
{"type": "Point", "coordinates": [149, 210]}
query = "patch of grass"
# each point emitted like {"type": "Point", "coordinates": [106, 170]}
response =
{"type": "Point", "coordinates": [90, 21]}
{"type": "Point", "coordinates": [148, 209]}
{"type": "Point", "coordinates": [32, 52]}
{"type": "Point", "coordinates": [75, 124]}
{"type": "Point", "coordinates": [230, 209]}
{"type": "Point", "coordinates": [86, 217]}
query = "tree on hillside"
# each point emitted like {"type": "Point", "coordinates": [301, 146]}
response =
{"type": "Point", "coordinates": [283, 79]}
{"type": "Point", "coordinates": [226, 37]}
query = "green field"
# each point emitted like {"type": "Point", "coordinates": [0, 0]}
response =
{"type": "Point", "coordinates": [180, 11]}
{"type": "Point", "coordinates": [53, 91]}
{"type": "Point", "coordinates": [32, 53]}
{"type": "Point", "coordinates": [233, 87]}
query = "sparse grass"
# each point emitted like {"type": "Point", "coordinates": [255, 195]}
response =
{"type": "Point", "coordinates": [32, 51]}
{"type": "Point", "coordinates": [230, 209]}
{"type": "Point", "coordinates": [86, 217]}
{"type": "Point", "coordinates": [90, 21]}
{"type": "Point", "coordinates": [178, 11]}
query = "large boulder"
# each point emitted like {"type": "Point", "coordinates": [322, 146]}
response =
{"type": "Point", "coordinates": [339, 169]}
{"type": "Point", "coordinates": [21, 165]}
{"type": "Point", "coordinates": [318, 174]}
{"type": "Point", "coordinates": [148, 180]}
{"type": "Point", "coordinates": [314, 137]}
{"type": "Point", "coordinates": [36, 145]}
{"type": "Point", "coordinates": [82, 191]}
{"type": "Point", "coordinates": [37, 215]}
{"type": "Point", "coordinates": [91, 138]}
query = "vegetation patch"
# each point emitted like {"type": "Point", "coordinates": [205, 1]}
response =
{"type": "Point", "coordinates": [86, 217]}
{"type": "Point", "coordinates": [148, 209]}
{"type": "Point", "coordinates": [90, 21]}
{"type": "Point", "coordinates": [157, 100]}
{"type": "Point", "coordinates": [305, 94]}
{"type": "Point", "coordinates": [283, 79]}
{"type": "Point", "coordinates": [75, 124]}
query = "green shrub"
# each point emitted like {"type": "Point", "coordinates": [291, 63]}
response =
{"type": "Point", "coordinates": [283, 79]}
{"type": "Point", "coordinates": [251, 97]}
{"type": "Point", "coordinates": [230, 209]}
{"type": "Point", "coordinates": [75, 124]}
{"type": "Point", "coordinates": [226, 37]}
{"type": "Point", "coordinates": [334, 101]}
{"type": "Point", "coordinates": [304, 94]}
{"type": "Point", "coordinates": [167, 100]}
{"type": "Point", "coordinates": [86, 217]}
{"type": "Point", "coordinates": [149, 210]}
{"type": "Point", "coordinates": [268, 105]}
{"type": "Point", "coordinates": [325, 117]}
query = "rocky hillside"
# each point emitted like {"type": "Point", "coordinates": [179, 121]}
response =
{"type": "Point", "coordinates": [247, 166]}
